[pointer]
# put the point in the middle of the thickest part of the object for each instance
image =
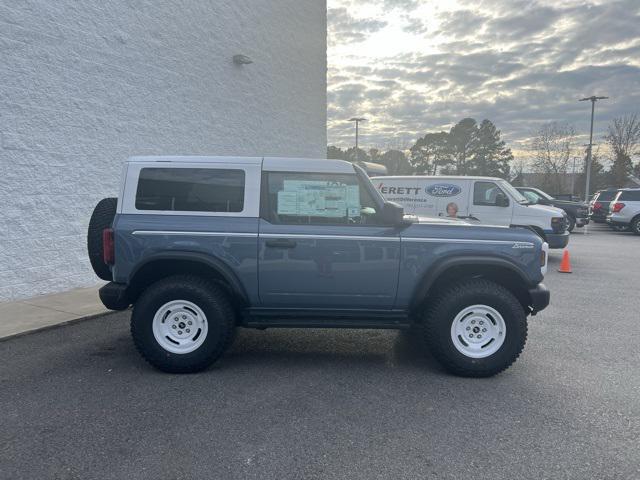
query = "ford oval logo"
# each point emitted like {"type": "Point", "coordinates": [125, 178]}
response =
{"type": "Point", "coordinates": [443, 190]}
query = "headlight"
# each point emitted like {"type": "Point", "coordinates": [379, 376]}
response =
{"type": "Point", "coordinates": [558, 224]}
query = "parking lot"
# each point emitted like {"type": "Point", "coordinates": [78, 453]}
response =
{"type": "Point", "coordinates": [78, 401]}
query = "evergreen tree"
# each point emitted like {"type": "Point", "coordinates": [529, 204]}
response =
{"type": "Point", "coordinates": [396, 162]}
{"type": "Point", "coordinates": [490, 157]}
{"type": "Point", "coordinates": [462, 142]}
{"type": "Point", "coordinates": [336, 153]}
{"type": "Point", "coordinates": [430, 153]}
{"type": "Point", "coordinates": [621, 169]}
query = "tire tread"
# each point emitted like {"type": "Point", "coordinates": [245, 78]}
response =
{"type": "Point", "coordinates": [435, 312]}
{"type": "Point", "coordinates": [101, 218]}
{"type": "Point", "coordinates": [213, 294]}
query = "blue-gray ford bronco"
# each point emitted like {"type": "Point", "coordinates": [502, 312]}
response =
{"type": "Point", "coordinates": [202, 245]}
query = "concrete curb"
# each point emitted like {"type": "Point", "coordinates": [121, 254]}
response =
{"type": "Point", "coordinates": [56, 325]}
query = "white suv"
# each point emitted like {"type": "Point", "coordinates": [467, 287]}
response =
{"type": "Point", "coordinates": [624, 210]}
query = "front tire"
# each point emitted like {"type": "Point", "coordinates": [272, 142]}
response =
{"type": "Point", "coordinates": [572, 223]}
{"type": "Point", "coordinates": [182, 324]}
{"type": "Point", "coordinates": [470, 309]}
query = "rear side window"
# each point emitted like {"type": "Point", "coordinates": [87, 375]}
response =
{"type": "Point", "coordinates": [606, 196]}
{"type": "Point", "coordinates": [190, 190]}
{"type": "Point", "coordinates": [630, 196]}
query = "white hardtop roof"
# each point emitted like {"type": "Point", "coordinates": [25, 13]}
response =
{"type": "Point", "coordinates": [439, 177]}
{"type": "Point", "coordinates": [278, 164]}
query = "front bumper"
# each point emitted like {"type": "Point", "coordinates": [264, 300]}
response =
{"type": "Point", "coordinates": [540, 297]}
{"type": "Point", "coordinates": [557, 240]}
{"type": "Point", "coordinates": [114, 296]}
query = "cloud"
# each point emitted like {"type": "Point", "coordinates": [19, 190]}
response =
{"type": "Point", "coordinates": [519, 63]}
{"type": "Point", "coordinates": [415, 25]}
{"type": "Point", "coordinates": [344, 28]}
{"type": "Point", "coordinates": [403, 5]}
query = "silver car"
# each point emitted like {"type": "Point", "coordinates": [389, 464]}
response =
{"type": "Point", "coordinates": [624, 210]}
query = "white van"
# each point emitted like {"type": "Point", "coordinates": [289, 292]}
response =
{"type": "Point", "coordinates": [485, 200]}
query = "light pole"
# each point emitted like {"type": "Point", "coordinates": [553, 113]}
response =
{"type": "Point", "coordinates": [593, 99]}
{"type": "Point", "coordinates": [357, 120]}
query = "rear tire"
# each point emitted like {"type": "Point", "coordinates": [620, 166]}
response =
{"type": "Point", "coordinates": [459, 311]}
{"type": "Point", "coordinates": [182, 324]}
{"type": "Point", "coordinates": [635, 225]}
{"type": "Point", "coordinates": [101, 218]}
{"type": "Point", "coordinates": [572, 223]}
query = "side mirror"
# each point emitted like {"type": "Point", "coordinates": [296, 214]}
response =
{"type": "Point", "coordinates": [392, 213]}
{"type": "Point", "coordinates": [502, 200]}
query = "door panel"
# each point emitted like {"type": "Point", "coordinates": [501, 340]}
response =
{"type": "Point", "coordinates": [308, 266]}
{"type": "Point", "coordinates": [322, 244]}
{"type": "Point", "coordinates": [483, 204]}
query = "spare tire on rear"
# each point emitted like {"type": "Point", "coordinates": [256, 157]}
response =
{"type": "Point", "coordinates": [101, 218]}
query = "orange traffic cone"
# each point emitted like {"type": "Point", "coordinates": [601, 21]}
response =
{"type": "Point", "coordinates": [565, 264]}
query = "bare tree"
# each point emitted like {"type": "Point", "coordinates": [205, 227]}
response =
{"type": "Point", "coordinates": [517, 172]}
{"type": "Point", "coordinates": [552, 148]}
{"type": "Point", "coordinates": [623, 137]}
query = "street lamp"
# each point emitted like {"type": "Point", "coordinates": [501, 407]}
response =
{"type": "Point", "coordinates": [593, 99]}
{"type": "Point", "coordinates": [357, 120]}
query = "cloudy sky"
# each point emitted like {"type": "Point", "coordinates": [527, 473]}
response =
{"type": "Point", "coordinates": [414, 66]}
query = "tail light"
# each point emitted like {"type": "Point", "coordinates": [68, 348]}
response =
{"type": "Point", "coordinates": [108, 250]}
{"type": "Point", "coordinates": [597, 206]}
{"type": "Point", "coordinates": [617, 207]}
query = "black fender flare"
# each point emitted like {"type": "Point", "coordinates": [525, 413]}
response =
{"type": "Point", "coordinates": [441, 266]}
{"type": "Point", "coordinates": [212, 262]}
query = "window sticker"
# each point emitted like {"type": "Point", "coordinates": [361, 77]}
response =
{"type": "Point", "coordinates": [317, 198]}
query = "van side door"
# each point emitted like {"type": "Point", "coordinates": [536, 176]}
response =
{"type": "Point", "coordinates": [490, 204]}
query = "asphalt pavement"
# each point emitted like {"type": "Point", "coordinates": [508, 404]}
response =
{"type": "Point", "coordinates": [77, 402]}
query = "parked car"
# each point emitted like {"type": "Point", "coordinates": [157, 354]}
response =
{"type": "Point", "coordinates": [485, 200]}
{"type": "Point", "coordinates": [202, 245]}
{"type": "Point", "coordinates": [577, 212]}
{"type": "Point", "coordinates": [624, 210]}
{"type": "Point", "coordinates": [600, 202]}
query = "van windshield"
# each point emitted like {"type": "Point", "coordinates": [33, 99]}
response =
{"type": "Point", "coordinates": [515, 194]}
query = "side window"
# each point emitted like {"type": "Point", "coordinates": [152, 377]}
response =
{"type": "Point", "coordinates": [318, 199]}
{"type": "Point", "coordinates": [485, 193]}
{"type": "Point", "coordinates": [190, 190]}
{"type": "Point", "coordinates": [630, 195]}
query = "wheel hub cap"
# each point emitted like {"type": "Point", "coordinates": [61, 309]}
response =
{"type": "Point", "coordinates": [478, 331]}
{"type": "Point", "coordinates": [180, 326]}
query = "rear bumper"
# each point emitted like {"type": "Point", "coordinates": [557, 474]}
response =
{"type": "Point", "coordinates": [618, 220]}
{"type": "Point", "coordinates": [582, 221]}
{"type": "Point", "coordinates": [557, 240]}
{"type": "Point", "coordinates": [114, 296]}
{"type": "Point", "coordinates": [540, 297]}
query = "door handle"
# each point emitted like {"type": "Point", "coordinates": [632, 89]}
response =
{"type": "Point", "coordinates": [281, 243]}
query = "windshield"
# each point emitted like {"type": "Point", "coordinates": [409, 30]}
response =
{"type": "Point", "coordinates": [515, 194]}
{"type": "Point", "coordinates": [543, 194]}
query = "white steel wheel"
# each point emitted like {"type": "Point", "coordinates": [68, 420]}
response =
{"type": "Point", "coordinates": [478, 331]}
{"type": "Point", "coordinates": [180, 326]}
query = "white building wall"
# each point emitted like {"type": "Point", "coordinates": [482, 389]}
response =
{"type": "Point", "coordinates": [83, 85]}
